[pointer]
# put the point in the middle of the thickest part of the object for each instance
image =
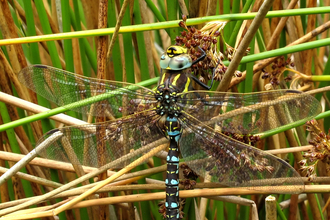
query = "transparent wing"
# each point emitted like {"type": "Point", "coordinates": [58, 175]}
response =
{"type": "Point", "coordinates": [249, 113]}
{"type": "Point", "coordinates": [231, 162]}
{"type": "Point", "coordinates": [106, 97]}
{"type": "Point", "coordinates": [80, 144]}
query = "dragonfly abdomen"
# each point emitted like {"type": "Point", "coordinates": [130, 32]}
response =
{"type": "Point", "coordinates": [174, 131]}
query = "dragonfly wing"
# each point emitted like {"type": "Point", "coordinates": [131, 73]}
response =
{"type": "Point", "coordinates": [250, 113]}
{"type": "Point", "coordinates": [127, 136]}
{"type": "Point", "coordinates": [231, 162]}
{"type": "Point", "coordinates": [65, 88]}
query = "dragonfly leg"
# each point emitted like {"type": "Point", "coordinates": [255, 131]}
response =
{"type": "Point", "coordinates": [201, 57]}
{"type": "Point", "coordinates": [203, 84]}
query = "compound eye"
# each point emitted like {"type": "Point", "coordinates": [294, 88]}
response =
{"type": "Point", "coordinates": [180, 62]}
{"type": "Point", "coordinates": [164, 61]}
{"type": "Point", "coordinates": [163, 57]}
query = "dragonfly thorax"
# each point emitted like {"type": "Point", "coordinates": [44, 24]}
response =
{"type": "Point", "coordinates": [171, 85]}
{"type": "Point", "coordinates": [167, 103]}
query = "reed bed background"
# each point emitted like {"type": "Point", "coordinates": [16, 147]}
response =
{"type": "Point", "coordinates": [133, 56]}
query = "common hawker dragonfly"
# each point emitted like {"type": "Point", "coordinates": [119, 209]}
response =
{"type": "Point", "coordinates": [192, 120]}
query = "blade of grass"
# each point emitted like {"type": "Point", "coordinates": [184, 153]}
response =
{"type": "Point", "coordinates": [14, 146]}
{"type": "Point", "coordinates": [163, 25]}
{"type": "Point", "coordinates": [141, 45]}
{"type": "Point", "coordinates": [47, 30]}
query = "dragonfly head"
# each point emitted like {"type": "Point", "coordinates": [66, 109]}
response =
{"type": "Point", "coordinates": [175, 58]}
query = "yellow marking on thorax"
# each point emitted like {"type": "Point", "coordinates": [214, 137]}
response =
{"type": "Point", "coordinates": [175, 79]}
{"type": "Point", "coordinates": [187, 85]}
{"type": "Point", "coordinates": [163, 78]}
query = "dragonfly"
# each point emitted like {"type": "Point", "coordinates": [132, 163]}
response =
{"type": "Point", "coordinates": [192, 121]}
